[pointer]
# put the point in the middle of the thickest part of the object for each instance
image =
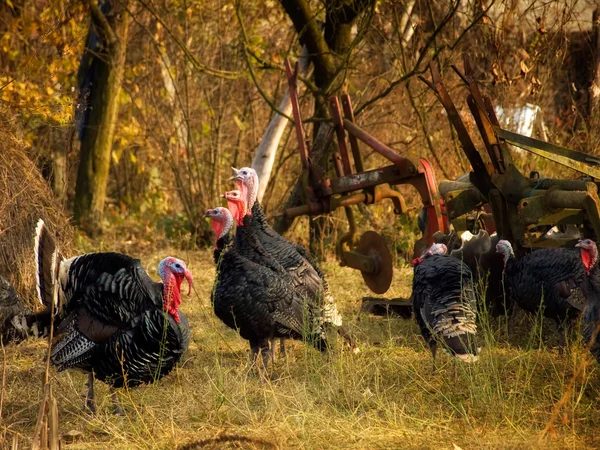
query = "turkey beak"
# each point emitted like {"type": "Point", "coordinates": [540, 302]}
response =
{"type": "Point", "coordinates": [236, 175]}
{"type": "Point", "coordinates": [579, 244]}
{"type": "Point", "coordinates": [190, 280]}
{"type": "Point", "coordinates": [207, 213]}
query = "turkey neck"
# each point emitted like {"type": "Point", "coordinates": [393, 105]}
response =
{"type": "Point", "coordinates": [222, 244]}
{"type": "Point", "coordinates": [172, 294]}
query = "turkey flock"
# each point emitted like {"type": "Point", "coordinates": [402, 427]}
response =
{"type": "Point", "coordinates": [109, 319]}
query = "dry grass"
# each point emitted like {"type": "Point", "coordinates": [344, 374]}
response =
{"type": "Point", "coordinates": [24, 198]}
{"type": "Point", "coordinates": [384, 397]}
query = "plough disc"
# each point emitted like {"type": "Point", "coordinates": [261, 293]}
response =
{"type": "Point", "coordinates": [372, 245]}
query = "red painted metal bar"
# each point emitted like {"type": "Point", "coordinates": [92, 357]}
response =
{"type": "Point", "coordinates": [403, 163]}
{"type": "Point", "coordinates": [300, 134]}
{"type": "Point", "coordinates": [435, 220]}
{"type": "Point", "coordinates": [336, 113]}
{"type": "Point", "coordinates": [349, 114]}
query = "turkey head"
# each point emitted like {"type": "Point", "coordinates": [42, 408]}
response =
{"type": "Point", "coordinates": [221, 221]}
{"type": "Point", "coordinates": [172, 271]}
{"type": "Point", "coordinates": [247, 182]}
{"type": "Point", "coordinates": [589, 254]}
{"type": "Point", "coordinates": [238, 206]}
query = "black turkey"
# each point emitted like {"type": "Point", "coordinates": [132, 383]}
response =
{"type": "Point", "coordinates": [590, 319]}
{"type": "Point", "coordinates": [253, 294]}
{"type": "Point", "coordinates": [444, 304]}
{"type": "Point", "coordinates": [13, 314]}
{"type": "Point", "coordinates": [491, 273]}
{"type": "Point", "coordinates": [112, 321]}
{"type": "Point", "coordinates": [309, 280]}
{"type": "Point", "coordinates": [555, 280]}
{"type": "Point", "coordinates": [471, 249]}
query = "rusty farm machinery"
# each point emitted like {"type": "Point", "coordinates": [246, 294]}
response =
{"type": "Point", "coordinates": [497, 197]}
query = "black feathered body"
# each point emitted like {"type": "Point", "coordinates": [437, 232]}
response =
{"type": "Point", "coordinates": [111, 321]}
{"type": "Point", "coordinates": [308, 280]}
{"type": "Point", "coordinates": [444, 304]}
{"type": "Point", "coordinates": [553, 280]}
{"type": "Point", "coordinates": [13, 324]}
{"type": "Point", "coordinates": [254, 294]}
{"type": "Point", "coordinates": [590, 319]}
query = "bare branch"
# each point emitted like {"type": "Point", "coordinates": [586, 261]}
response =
{"type": "Point", "coordinates": [415, 70]}
{"type": "Point", "coordinates": [306, 26]}
{"type": "Point", "coordinates": [101, 22]}
{"type": "Point", "coordinates": [263, 94]}
{"type": "Point", "coordinates": [229, 75]}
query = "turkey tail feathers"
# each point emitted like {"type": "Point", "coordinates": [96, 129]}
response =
{"type": "Point", "coordinates": [47, 259]}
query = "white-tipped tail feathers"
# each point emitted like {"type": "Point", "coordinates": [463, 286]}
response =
{"type": "Point", "coordinates": [47, 260]}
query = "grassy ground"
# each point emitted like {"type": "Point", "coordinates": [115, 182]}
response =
{"type": "Point", "coordinates": [384, 397]}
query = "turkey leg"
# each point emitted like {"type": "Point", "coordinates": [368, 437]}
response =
{"type": "Point", "coordinates": [343, 332]}
{"type": "Point", "coordinates": [90, 403]}
{"type": "Point", "coordinates": [433, 348]}
{"type": "Point", "coordinates": [117, 409]}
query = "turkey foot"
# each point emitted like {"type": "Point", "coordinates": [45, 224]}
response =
{"type": "Point", "coordinates": [265, 351]}
{"type": "Point", "coordinates": [281, 348]}
{"type": "Point", "coordinates": [344, 333]}
{"type": "Point", "coordinates": [433, 348]}
{"type": "Point", "coordinates": [117, 409]}
{"type": "Point", "coordinates": [90, 403]}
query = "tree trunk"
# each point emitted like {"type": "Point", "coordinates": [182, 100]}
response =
{"type": "Point", "coordinates": [267, 149]}
{"type": "Point", "coordinates": [97, 134]}
{"type": "Point", "coordinates": [328, 48]}
{"type": "Point", "coordinates": [318, 155]}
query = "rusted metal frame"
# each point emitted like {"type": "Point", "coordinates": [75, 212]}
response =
{"type": "Point", "coordinates": [582, 162]}
{"type": "Point", "coordinates": [555, 205]}
{"type": "Point", "coordinates": [300, 134]}
{"type": "Point", "coordinates": [480, 172]}
{"type": "Point", "coordinates": [487, 133]}
{"type": "Point", "coordinates": [358, 261]}
{"type": "Point", "coordinates": [336, 114]}
{"type": "Point", "coordinates": [499, 153]}
{"type": "Point", "coordinates": [498, 206]}
{"type": "Point", "coordinates": [431, 201]}
{"type": "Point", "coordinates": [380, 192]}
{"type": "Point", "coordinates": [539, 240]}
{"type": "Point", "coordinates": [367, 179]}
{"type": "Point", "coordinates": [349, 114]}
{"type": "Point", "coordinates": [405, 164]}
{"type": "Point", "coordinates": [461, 202]}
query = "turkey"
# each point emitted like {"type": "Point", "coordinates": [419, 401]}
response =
{"type": "Point", "coordinates": [555, 280]}
{"type": "Point", "coordinates": [252, 293]}
{"type": "Point", "coordinates": [112, 321]}
{"type": "Point", "coordinates": [491, 273]}
{"type": "Point", "coordinates": [471, 250]}
{"type": "Point", "coordinates": [590, 318]}
{"type": "Point", "coordinates": [13, 314]}
{"type": "Point", "coordinates": [444, 304]}
{"type": "Point", "coordinates": [309, 280]}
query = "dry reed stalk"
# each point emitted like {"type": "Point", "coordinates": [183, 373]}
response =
{"type": "Point", "coordinates": [3, 377]}
{"type": "Point", "coordinates": [48, 417]}
{"type": "Point", "coordinates": [549, 428]}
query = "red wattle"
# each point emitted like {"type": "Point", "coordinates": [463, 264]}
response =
{"type": "Point", "coordinates": [235, 211]}
{"type": "Point", "coordinates": [172, 295]}
{"type": "Point", "coordinates": [586, 258]}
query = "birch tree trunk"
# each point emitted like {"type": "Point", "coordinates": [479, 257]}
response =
{"type": "Point", "coordinates": [267, 149]}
